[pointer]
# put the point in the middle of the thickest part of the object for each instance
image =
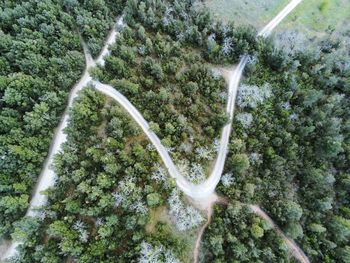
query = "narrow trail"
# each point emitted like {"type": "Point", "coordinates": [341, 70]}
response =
{"type": "Point", "coordinates": [292, 246]}
{"type": "Point", "coordinates": [208, 187]}
{"type": "Point", "coordinates": [214, 199]}
{"type": "Point", "coordinates": [267, 30]}
{"type": "Point", "coordinates": [200, 235]}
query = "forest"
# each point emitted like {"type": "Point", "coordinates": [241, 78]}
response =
{"type": "Point", "coordinates": [168, 76]}
{"type": "Point", "coordinates": [113, 199]}
{"type": "Point", "coordinates": [290, 144]}
{"type": "Point", "coordinates": [41, 59]}
{"type": "Point", "coordinates": [249, 239]}
{"type": "Point", "coordinates": [107, 190]}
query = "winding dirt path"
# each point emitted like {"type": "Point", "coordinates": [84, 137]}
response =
{"type": "Point", "coordinates": [292, 246]}
{"type": "Point", "coordinates": [203, 190]}
{"type": "Point", "coordinates": [200, 235]}
{"type": "Point", "coordinates": [208, 207]}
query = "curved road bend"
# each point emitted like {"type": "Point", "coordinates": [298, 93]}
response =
{"type": "Point", "coordinates": [108, 90]}
{"type": "Point", "coordinates": [204, 190]}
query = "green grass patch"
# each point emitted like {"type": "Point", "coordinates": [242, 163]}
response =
{"type": "Point", "coordinates": [324, 6]}
{"type": "Point", "coordinates": [242, 12]}
{"type": "Point", "coordinates": [315, 17]}
{"type": "Point", "coordinates": [155, 217]}
{"type": "Point", "coordinates": [312, 17]}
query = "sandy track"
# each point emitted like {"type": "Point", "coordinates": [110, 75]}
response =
{"type": "Point", "coordinates": [292, 246]}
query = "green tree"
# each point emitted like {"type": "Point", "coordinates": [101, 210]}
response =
{"type": "Point", "coordinates": [153, 199]}
{"type": "Point", "coordinates": [294, 230]}
{"type": "Point", "coordinates": [240, 163]}
{"type": "Point", "coordinates": [257, 231]}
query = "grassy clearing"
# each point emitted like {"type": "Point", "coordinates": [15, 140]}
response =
{"type": "Point", "coordinates": [243, 12]}
{"type": "Point", "coordinates": [312, 17]}
{"type": "Point", "coordinates": [316, 16]}
{"type": "Point", "coordinates": [160, 215]}
{"type": "Point", "coordinates": [155, 217]}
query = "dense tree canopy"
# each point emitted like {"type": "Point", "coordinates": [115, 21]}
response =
{"type": "Point", "coordinates": [93, 18]}
{"type": "Point", "coordinates": [237, 235]}
{"type": "Point", "coordinates": [297, 144]}
{"type": "Point", "coordinates": [41, 59]}
{"type": "Point", "coordinates": [161, 63]}
{"type": "Point", "coordinates": [105, 192]}
{"type": "Point", "coordinates": [113, 201]}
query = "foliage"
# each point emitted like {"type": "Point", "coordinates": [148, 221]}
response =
{"type": "Point", "coordinates": [186, 217]}
{"type": "Point", "coordinates": [237, 235]}
{"type": "Point", "coordinates": [297, 146]}
{"type": "Point", "coordinates": [93, 19]}
{"type": "Point", "coordinates": [251, 96]}
{"type": "Point", "coordinates": [104, 191]}
{"type": "Point", "coordinates": [168, 80]}
{"type": "Point", "coordinates": [289, 149]}
{"type": "Point", "coordinates": [151, 254]}
{"type": "Point", "coordinates": [41, 59]}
